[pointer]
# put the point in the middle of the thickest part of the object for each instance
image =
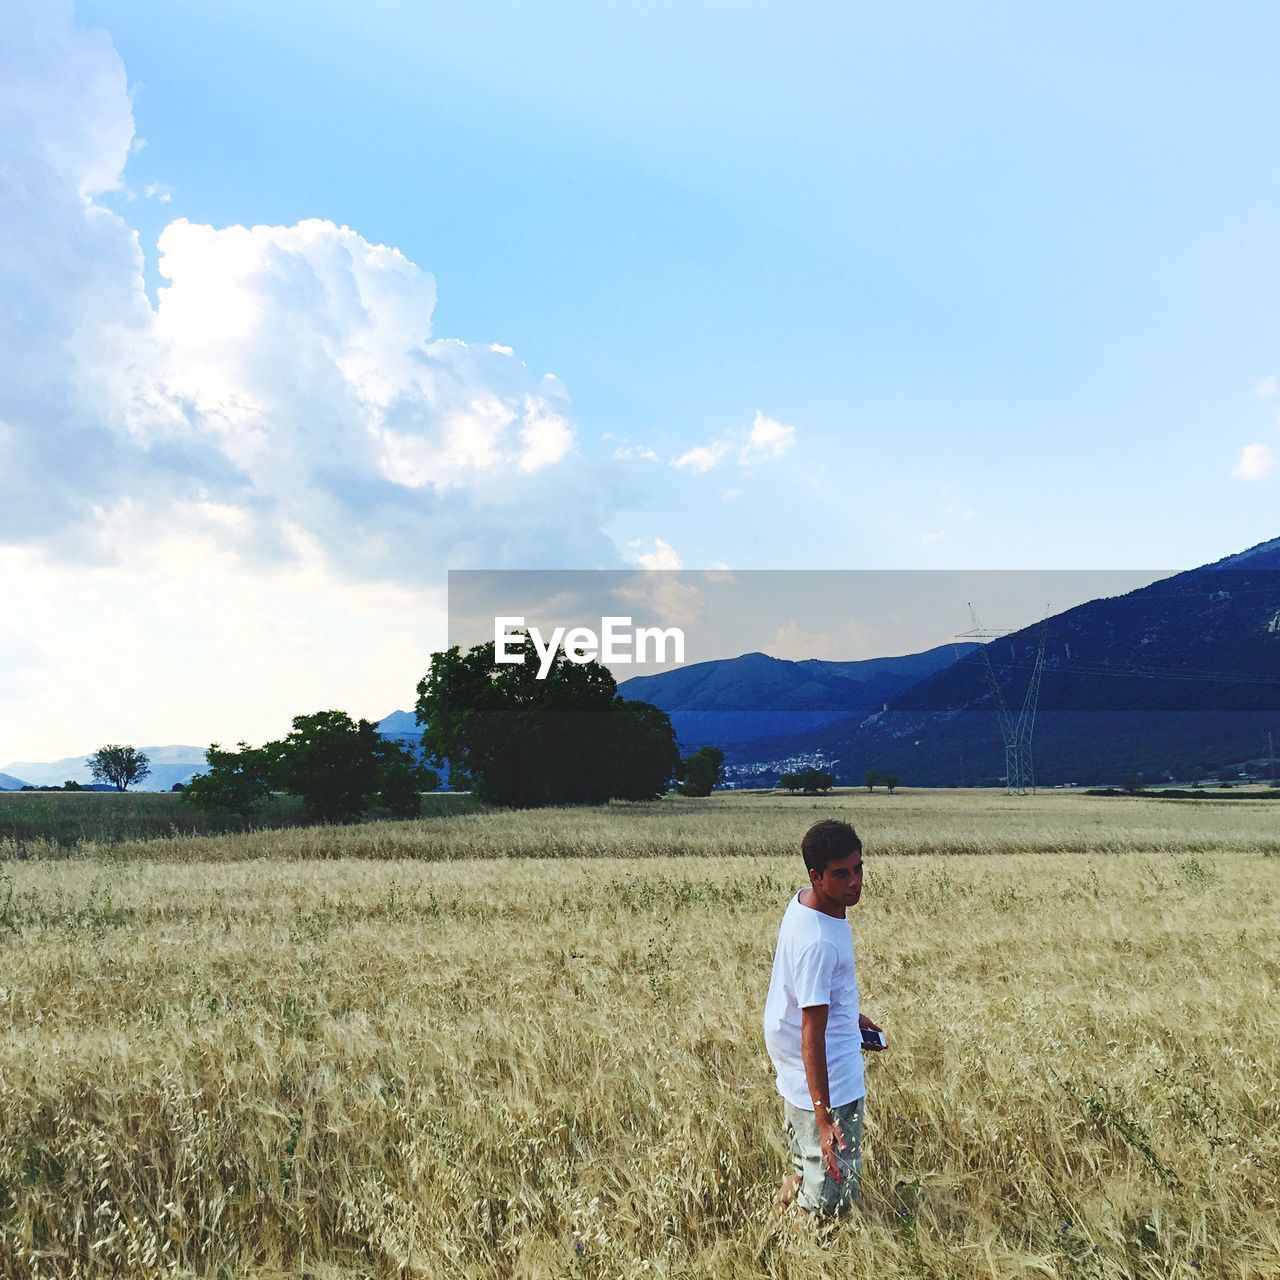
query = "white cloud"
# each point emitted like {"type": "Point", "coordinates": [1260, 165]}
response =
{"type": "Point", "coordinates": [633, 453]}
{"type": "Point", "coordinates": [216, 655]}
{"type": "Point", "coordinates": [928, 538]}
{"type": "Point", "coordinates": [284, 409]}
{"type": "Point", "coordinates": [702, 457]}
{"type": "Point", "coordinates": [796, 644]}
{"type": "Point", "coordinates": [660, 554]}
{"type": "Point", "coordinates": [1268, 386]}
{"type": "Point", "coordinates": [287, 373]}
{"type": "Point", "coordinates": [1255, 462]}
{"type": "Point", "coordinates": [851, 640]}
{"type": "Point", "coordinates": [768, 439]}
{"type": "Point", "coordinates": [666, 599]}
{"type": "Point", "coordinates": [546, 435]}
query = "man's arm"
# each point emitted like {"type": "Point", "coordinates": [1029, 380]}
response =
{"type": "Point", "coordinates": [813, 1051]}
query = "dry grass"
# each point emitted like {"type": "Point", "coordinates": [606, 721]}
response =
{"type": "Point", "coordinates": [947, 822]}
{"type": "Point", "coordinates": [237, 1062]}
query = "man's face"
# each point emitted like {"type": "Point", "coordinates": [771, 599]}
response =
{"type": "Point", "coordinates": [842, 880]}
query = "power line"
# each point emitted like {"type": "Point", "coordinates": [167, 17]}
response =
{"type": "Point", "coordinates": [1019, 773]}
{"type": "Point", "coordinates": [1097, 667]}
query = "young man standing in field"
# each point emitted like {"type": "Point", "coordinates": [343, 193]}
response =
{"type": "Point", "coordinates": [813, 1027]}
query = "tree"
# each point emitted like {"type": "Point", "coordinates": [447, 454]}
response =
{"type": "Point", "coordinates": [701, 771]}
{"type": "Point", "coordinates": [524, 741]}
{"type": "Point", "coordinates": [790, 782]}
{"type": "Point", "coordinates": [121, 766]}
{"type": "Point", "coordinates": [646, 754]}
{"type": "Point", "coordinates": [341, 767]}
{"type": "Point", "coordinates": [338, 767]}
{"type": "Point", "coordinates": [237, 781]}
{"type": "Point", "coordinates": [71, 785]}
{"type": "Point", "coordinates": [890, 781]}
{"type": "Point", "coordinates": [815, 780]}
{"type": "Point", "coordinates": [403, 780]}
{"type": "Point", "coordinates": [871, 777]}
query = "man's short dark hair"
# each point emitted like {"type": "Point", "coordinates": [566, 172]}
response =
{"type": "Point", "coordinates": [828, 841]}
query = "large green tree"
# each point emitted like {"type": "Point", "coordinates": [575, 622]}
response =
{"type": "Point", "coordinates": [119, 765]}
{"type": "Point", "coordinates": [237, 781]}
{"type": "Point", "coordinates": [701, 771]}
{"type": "Point", "coordinates": [645, 751]}
{"type": "Point", "coordinates": [565, 738]}
{"type": "Point", "coordinates": [341, 767]}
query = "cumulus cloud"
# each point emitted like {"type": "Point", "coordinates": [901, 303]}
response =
{"type": "Point", "coordinates": [1255, 462]}
{"type": "Point", "coordinates": [796, 644]}
{"type": "Point", "coordinates": [851, 640]}
{"type": "Point", "coordinates": [659, 554]}
{"type": "Point", "coordinates": [634, 453]}
{"type": "Point", "coordinates": [767, 439]}
{"type": "Point", "coordinates": [1268, 386]}
{"type": "Point", "coordinates": [287, 390]}
{"type": "Point", "coordinates": [701, 457]}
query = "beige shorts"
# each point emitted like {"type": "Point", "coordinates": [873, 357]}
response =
{"type": "Point", "coordinates": [819, 1192]}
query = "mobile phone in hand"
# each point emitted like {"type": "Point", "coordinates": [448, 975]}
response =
{"type": "Point", "coordinates": [872, 1039]}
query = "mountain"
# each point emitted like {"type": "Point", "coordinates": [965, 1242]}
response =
{"type": "Point", "coordinates": [9, 783]}
{"type": "Point", "coordinates": [400, 724]}
{"type": "Point", "coordinates": [1176, 677]}
{"type": "Point", "coordinates": [737, 703]}
{"type": "Point", "coordinates": [403, 727]}
{"type": "Point", "coordinates": [168, 765]}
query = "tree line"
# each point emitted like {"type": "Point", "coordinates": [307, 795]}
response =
{"type": "Point", "coordinates": [511, 736]}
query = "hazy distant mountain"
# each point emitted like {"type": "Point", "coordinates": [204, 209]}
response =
{"type": "Point", "coordinates": [1179, 676]}
{"type": "Point", "coordinates": [400, 724]}
{"type": "Point", "coordinates": [10, 783]}
{"type": "Point", "coordinates": [736, 703]}
{"type": "Point", "coordinates": [403, 727]}
{"type": "Point", "coordinates": [168, 765]}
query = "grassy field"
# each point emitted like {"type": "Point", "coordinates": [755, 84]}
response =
{"type": "Point", "coordinates": [50, 823]}
{"type": "Point", "coordinates": [460, 1047]}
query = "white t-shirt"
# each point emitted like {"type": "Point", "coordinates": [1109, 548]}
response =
{"type": "Point", "coordinates": [813, 965]}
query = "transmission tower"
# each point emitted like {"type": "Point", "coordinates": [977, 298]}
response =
{"type": "Point", "coordinates": [1019, 770]}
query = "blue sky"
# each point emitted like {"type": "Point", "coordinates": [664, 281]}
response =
{"type": "Point", "coordinates": [955, 286]}
{"type": "Point", "coordinates": [1026, 252]}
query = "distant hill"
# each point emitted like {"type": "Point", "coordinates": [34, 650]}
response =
{"type": "Point", "coordinates": [168, 765]}
{"type": "Point", "coordinates": [1177, 677]}
{"type": "Point", "coordinates": [403, 727]}
{"type": "Point", "coordinates": [400, 724]}
{"type": "Point", "coordinates": [737, 703]}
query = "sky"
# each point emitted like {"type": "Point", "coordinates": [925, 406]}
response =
{"type": "Point", "coordinates": [303, 306]}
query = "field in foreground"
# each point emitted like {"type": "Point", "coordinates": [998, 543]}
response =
{"type": "Point", "coordinates": [242, 1061]}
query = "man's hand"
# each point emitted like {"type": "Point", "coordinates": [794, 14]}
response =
{"type": "Point", "coordinates": [865, 1024]}
{"type": "Point", "coordinates": [830, 1140]}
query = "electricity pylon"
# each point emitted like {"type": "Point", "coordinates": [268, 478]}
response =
{"type": "Point", "coordinates": [1019, 770]}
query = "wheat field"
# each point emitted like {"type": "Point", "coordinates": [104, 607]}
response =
{"type": "Point", "coordinates": [529, 1044]}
